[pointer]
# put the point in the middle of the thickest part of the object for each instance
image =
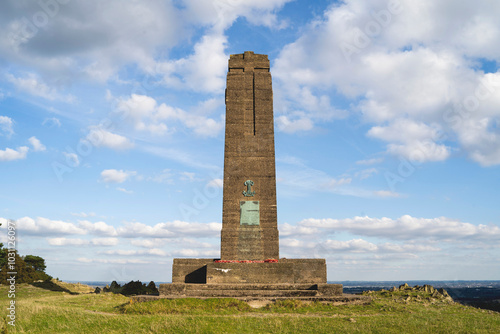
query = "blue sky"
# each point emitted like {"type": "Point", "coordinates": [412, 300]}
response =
{"type": "Point", "coordinates": [386, 122]}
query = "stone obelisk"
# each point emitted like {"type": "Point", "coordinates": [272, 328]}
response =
{"type": "Point", "coordinates": [249, 264]}
{"type": "Point", "coordinates": [249, 218]}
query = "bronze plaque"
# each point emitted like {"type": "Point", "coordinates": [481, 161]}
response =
{"type": "Point", "coordinates": [249, 213]}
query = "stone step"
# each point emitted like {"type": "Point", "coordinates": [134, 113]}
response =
{"type": "Point", "coordinates": [250, 293]}
{"type": "Point", "coordinates": [188, 286]}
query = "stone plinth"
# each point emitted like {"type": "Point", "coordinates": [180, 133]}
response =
{"type": "Point", "coordinates": [251, 291]}
{"type": "Point", "coordinates": [286, 271]}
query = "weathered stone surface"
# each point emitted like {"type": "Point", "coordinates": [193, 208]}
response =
{"type": "Point", "coordinates": [251, 290]}
{"type": "Point", "coordinates": [249, 217]}
{"type": "Point", "coordinates": [290, 271]}
{"type": "Point", "coordinates": [249, 155]}
{"type": "Point", "coordinates": [190, 270]}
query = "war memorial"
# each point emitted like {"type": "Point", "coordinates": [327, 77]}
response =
{"type": "Point", "coordinates": [249, 264]}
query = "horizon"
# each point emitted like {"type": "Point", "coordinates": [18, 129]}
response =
{"type": "Point", "coordinates": [387, 133]}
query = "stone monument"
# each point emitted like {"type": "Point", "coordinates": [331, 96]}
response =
{"type": "Point", "coordinates": [249, 263]}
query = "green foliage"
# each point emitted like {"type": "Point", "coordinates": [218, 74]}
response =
{"type": "Point", "coordinates": [133, 288]}
{"type": "Point", "coordinates": [36, 262]}
{"type": "Point", "coordinates": [25, 273]}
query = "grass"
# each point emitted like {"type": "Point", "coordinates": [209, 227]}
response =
{"type": "Point", "coordinates": [42, 310]}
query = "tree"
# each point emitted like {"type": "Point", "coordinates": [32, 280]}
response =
{"type": "Point", "coordinates": [36, 262]}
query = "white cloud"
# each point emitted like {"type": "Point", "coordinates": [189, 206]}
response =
{"type": "Point", "coordinates": [67, 242]}
{"type": "Point", "coordinates": [6, 126]}
{"type": "Point", "coordinates": [98, 228]}
{"type": "Point", "coordinates": [100, 137]}
{"type": "Point", "coordinates": [189, 252]}
{"type": "Point", "coordinates": [32, 85]}
{"type": "Point", "coordinates": [203, 71]}
{"type": "Point", "coordinates": [415, 140]}
{"type": "Point", "coordinates": [290, 126]}
{"type": "Point", "coordinates": [116, 176]}
{"type": "Point", "coordinates": [216, 183]}
{"type": "Point", "coordinates": [113, 261]}
{"type": "Point", "coordinates": [148, 243]}
{"type": "Point", "coordinates": [130, 252]}
{"type": "Point", "coordinates": [121, 33]}
{"type": "Point", "coordinates": [44, 226]}
{"type": "Point", "coordinates": [123, 190]}
{"type": "Point", "coordinates": [417, 79]}
{"type": "Point", "coordinates": [9, 154]}
{"type": "Point", "coordinates": [105, 241]}
{"type": "Point", "coordinates": [355, 245]}
{"type": "Point", "coordinates": [146, 115]}
{"type": "Point", "coordinates": [170, 230]}
{"type": "Point", "coordinates": [407, 228]}
{"type": "Point", "coordinates": [37, 145]}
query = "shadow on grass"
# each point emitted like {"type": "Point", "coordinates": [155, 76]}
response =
{"type": "Point", "coordinates": [51, 286]}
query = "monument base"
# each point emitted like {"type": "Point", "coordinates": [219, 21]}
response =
{"type": "Point", "coordinates": [287, 278]}
{"type": "Point", "coordinates": [285, 271]}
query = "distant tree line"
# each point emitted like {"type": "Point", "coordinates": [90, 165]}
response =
{"type": "Point", "coordinates": [131, 288]}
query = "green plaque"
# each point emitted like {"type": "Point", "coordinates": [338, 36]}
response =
{"type": "Point", "coordinates": [249, 213]}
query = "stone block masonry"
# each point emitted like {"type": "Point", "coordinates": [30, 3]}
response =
{"type": "Point", "coordinates": [249, 162]}
{"type": "Point", "coordinates": [250, 265]}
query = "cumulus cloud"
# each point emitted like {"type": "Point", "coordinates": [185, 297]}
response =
{"type": "Point", "coordinates": [116, 176]}
{"type": "Point", "coordinates": [428, 58]}
{"type": "Point", "coordinates": [100, 137]}
{"type": "Point", "coordinates": [407, 227]}
{"type": "Point", "coordinates": [37, 145]}
{"type": "Point", "coordinates": [32, 85]}
{"type": "Point", "coordinates": [170, 230]}
{"type": "Point", "coordinates": [10, 154]}
{"type": "Point", "coordinates": [98, 228]}
{"type": "Point", "coordinates": [146, 115]}
{"type": "Point", "coordinates": [119, 34]}
{"type": "Point", "coordinates": [44, 226]}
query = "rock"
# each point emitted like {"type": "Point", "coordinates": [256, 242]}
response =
{"type": "Point", "coordinates": [404, 286]}
{"type": "Point", "coordinates": [97, 290]}
{"type": "Point", "coordinates": [393, 289]}
{"type": "Point", "coordinates": [444, 292]}
{"type": "Point", "coordinates": [429, 288]}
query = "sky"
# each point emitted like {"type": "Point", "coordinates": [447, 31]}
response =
{"type": "Point", "coordinates": [387, 133]}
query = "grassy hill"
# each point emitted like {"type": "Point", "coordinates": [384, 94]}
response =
{"type": "Point", "coordinates": [47, 309]}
